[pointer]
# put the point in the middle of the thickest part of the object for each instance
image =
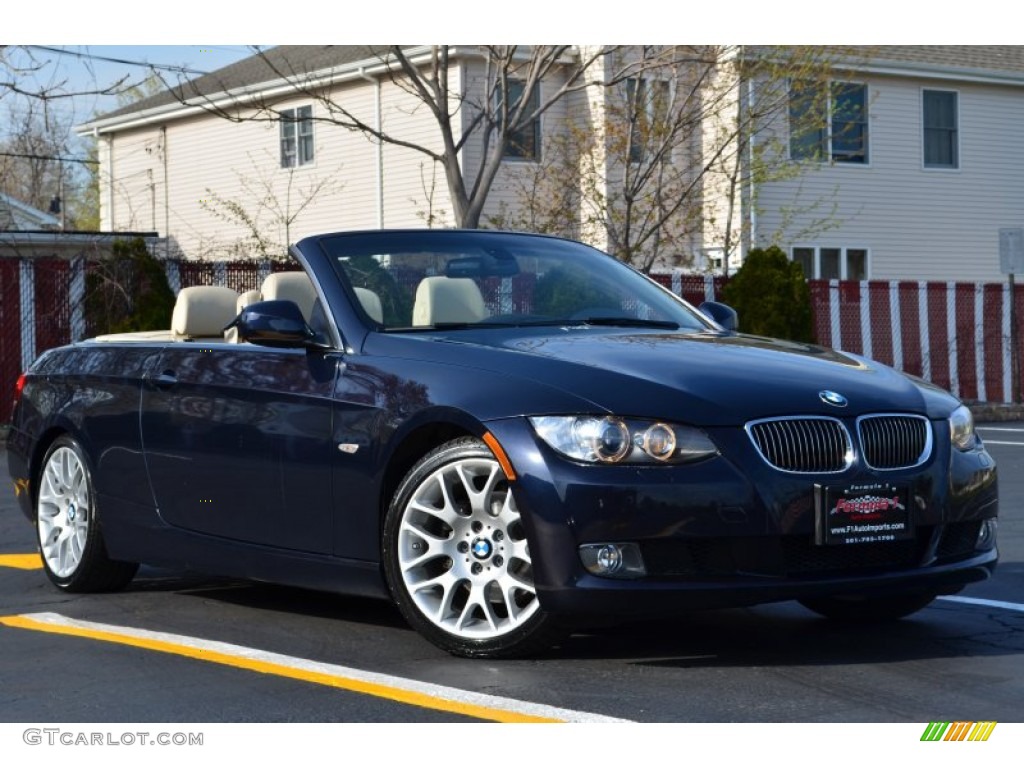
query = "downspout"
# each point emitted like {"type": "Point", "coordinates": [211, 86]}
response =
{"type": "Point", "coordinates": [378, 125]}
{"type": "Point", "coordinates": [167, 203]}
{"type": "Point", "coordinates": [750, 171]}
{"type": "Point", "coordinates": [111, 226]}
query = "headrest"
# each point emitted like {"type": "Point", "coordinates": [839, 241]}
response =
{"type": "Point", "coordinates": [203, 311]}
{"type": "Point", "coordinates": [371, 303]}
{"type": "Point", "coordinates": [245, 299]}
{"type": "Point", "coordinates": [448, 300]}
{"type": "Point", "coordinates": [291, 286]}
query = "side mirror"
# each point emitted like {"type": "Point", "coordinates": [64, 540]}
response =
{"type": "Point", "coordinates": [273, 324]}
{"type": "Point", "coordinates": [722, 314]}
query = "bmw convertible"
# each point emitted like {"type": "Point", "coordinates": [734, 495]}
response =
{"type": "Point", "coordinates": [509, 436]}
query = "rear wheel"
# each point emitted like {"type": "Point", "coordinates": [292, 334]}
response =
{"type": "Point", "coordinates": [868, 609]}
{"type": "Point", "coordinates": [457, 560]}
{"type": "Point", "coordinates": [70, 541]}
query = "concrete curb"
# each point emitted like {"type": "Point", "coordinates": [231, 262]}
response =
{"type": "Point", "coordinates": [984, 412]}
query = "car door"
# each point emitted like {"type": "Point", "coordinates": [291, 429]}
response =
{"type": "Point", "coordinates": [237, 439]}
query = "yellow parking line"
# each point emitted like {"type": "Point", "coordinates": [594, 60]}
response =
{"type": "Point", "coordinates": [22, 562]}
{"type": "Point", "coordinates": [404, 691]}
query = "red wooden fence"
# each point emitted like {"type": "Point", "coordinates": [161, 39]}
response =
{"type": "Point", "coordinates": [956, 335]}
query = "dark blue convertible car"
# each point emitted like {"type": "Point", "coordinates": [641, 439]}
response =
{"type": "Point", "coordinates": [507, 434]}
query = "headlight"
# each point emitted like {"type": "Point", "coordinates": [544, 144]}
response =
{"type": "Point", "coordinates": [612, 440]}
{"type": "Point", "coordinates": [961, 428]}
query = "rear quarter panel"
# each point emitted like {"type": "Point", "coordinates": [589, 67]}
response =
{"type": "Point", "coordinates": [90, 391]}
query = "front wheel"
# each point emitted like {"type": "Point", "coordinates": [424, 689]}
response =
{"type": "Point", "coordinates": [70, 542]}
{"type": "Point", "coordinates": [868, 609]}
{"type": "Point", "coordinates": [457, 560]}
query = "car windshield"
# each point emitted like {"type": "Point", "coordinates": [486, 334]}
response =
{"type": "Point", "coordinates": [439, 279]}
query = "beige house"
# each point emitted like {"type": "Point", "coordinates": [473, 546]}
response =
{"type": "Point", "coordinates": [243, 160]}
{"type": "Point", "coordinates": [908, 169]}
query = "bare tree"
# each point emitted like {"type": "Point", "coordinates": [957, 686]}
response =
{"type": "Point", "coordinates": [488, 112]}
{"type": "Point", "coordinates": [25, 73]}
{"type": "Point", "coordinates": [39, 159]}
{"type": "Point", "coordinates": [671, 158]}
{"type": "Point", "coordinates": [265, 211]}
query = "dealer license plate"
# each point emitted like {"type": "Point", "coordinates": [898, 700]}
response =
{"type": "Point", "coordinates": [865, 513]}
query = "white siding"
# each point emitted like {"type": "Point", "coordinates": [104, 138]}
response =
{"type": "Point", "coordinates": [917, 223]}
{"type": "Point", "coordinates": [415, 187]}
{"type": "Point", "coordinates": [208, 157]}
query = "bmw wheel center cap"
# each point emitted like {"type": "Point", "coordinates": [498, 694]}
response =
{"type": "Point", "coordinates": [833, 398]}
{"type": "Point", "coordinates": [482, 549]}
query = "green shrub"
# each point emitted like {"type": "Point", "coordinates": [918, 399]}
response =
{"type": "Point", "coordinates": [771, 296]}
{"type": "Point", "coordinates": [127, 291]}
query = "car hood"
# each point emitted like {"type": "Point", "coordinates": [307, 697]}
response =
{"type": "Point", "coordinates": [702, 378]}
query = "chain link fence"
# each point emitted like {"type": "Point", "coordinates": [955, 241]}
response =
{"type": "Point", "coordinates": [957, 335]}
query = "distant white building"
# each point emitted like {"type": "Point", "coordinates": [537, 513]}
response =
{"type": "Point", "coordinates": [16, 215]}
{"type": "Point", "coordinates": [921, 165]}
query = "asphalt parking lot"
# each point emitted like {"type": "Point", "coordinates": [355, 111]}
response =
{"type": "Point", "coordinates": [181, 647]}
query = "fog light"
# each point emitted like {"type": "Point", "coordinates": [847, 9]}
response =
{"type": "Point", "coordinates": [987, 534]}
{"type": "Point", "coordinates": [609, 559]}
{"type": "Point", "coordinates": [613, 560]}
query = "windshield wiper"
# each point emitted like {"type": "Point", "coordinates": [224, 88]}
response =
{"type": "Point", "coordinates": [629, 322]}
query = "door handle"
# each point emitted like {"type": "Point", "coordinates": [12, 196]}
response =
{"type": "Point", "coordinates": [164, 380]}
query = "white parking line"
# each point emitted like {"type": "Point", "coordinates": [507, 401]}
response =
{"type": "Point", "coordinates": [1018, 607]}
{"type": "Point", "coordinates": [404, 690]}
{"type": "Point", "coordinates": [1001, 442]}
{"type": "Point", "coordinates": [1000, 429]}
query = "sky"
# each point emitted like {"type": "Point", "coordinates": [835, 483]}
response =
{"type": "Point", "coordinates": [101, 28]}
{"type": "Point", "coordinates": [81, 69]}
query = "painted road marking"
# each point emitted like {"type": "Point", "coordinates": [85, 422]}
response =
{"type": "Point", "coordinates": [22, 562]}
{"type": "Point", "coordinates": [402, 690]}
{"type": "Point", "coordinates": [1019, 607]}
{"type": "Point", "coordinates": [1000, 442]}
{"type": "Point", "coordinates": [1001, 429]}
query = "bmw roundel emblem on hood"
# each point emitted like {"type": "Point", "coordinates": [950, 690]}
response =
{"type": "Point", "coordinates": [833, 398]}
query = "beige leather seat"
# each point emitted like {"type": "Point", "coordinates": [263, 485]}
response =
{"type": "Point", "coordinates": [290, 286]}
{"type": "Point", "coordinates": [243, 301]}
{"type": "Point", "coordinates": [448, 300]}
{"type": "Point", "coordinates": [202, 311]}
{"type": "Point", "coordinates": [371, 303]}
{"type": "Point", "coordinates": [247, 298]}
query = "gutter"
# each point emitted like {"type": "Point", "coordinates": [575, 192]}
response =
{"type": "Point", "coordinates": [378, 125]}
{"type": "Point", "coordinates": [247, 94]}
{"type": "Point", "coordinates": [12, 237]}
{"type": "Point", "coordinates": [921, 70]}
{"type": "Point", "coordinates": [932, 72]}
{"type": "Point", "coordinates": [270, 89]}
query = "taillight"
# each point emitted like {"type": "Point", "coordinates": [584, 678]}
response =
{"type": "Point", "coordinates": [19, 385]}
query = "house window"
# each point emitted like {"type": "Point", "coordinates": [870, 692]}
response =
{"type": "Point", "coordinates": [523, 144]}
{"type": "Point", "coordinates": [835, 128]}
{"type": "Point", "coordinates": [940, 129]}
{"type": "Point", "coordinates": [296, 136]}
{"type": "Point", "coordinates": [832, 263]}
{"type": "Point", "coordinates": [647, 111]}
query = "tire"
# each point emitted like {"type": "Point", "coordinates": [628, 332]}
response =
{"type": "Point", "coordinates": [457, 561]}
{"type": "Point", "coordinates": [868, 610]}
{"type": "Point", "coordinates": [68, 526]}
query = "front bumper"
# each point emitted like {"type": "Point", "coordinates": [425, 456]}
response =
{"type": "Point", "coordinates": [733, 531]}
